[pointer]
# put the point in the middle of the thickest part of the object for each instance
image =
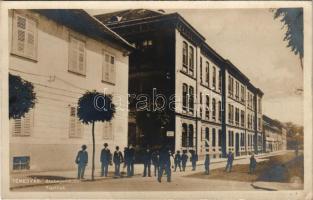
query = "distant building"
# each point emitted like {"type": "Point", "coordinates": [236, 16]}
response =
{"type": "Point", "coordinates": [217, 108]}
{"type": "Point", "coordinates": [275, 135]}
{"type": "Point", "coordinates": [63, 53]}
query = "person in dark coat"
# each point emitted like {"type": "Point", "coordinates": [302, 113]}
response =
{"type": "Point", "coordinates": [105, 159]}
{"type": "Point", "coordinates": [165, 164]}
{"type": "Point", "coordinates": [252, 165]}
{"type": "Point", "coordinates": [193, 159]}
{"type": "Point", "coordinates": [131, 159]}
{"type": "Point", "coordinates": [81, 160]}
{"type": "Point", "coordinates": [177, 161]}
{"type": "Point", "coordinates": [207, 163]}
{"type": "Point", "coordinates": [117, 160]}
{"type": "Point", "coordinates": [155, 162]}
{"type": "Point", "coordinates": [184, 159]}
{"type": "Point", "coordinates": [230, 159]}
{"type": "Point", "coordinates": [147, 162]}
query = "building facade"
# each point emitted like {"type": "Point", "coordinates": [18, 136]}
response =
{"type": "Point", "coordinates": [57, 53]}
{"type": "Point", "coordinates": [216, 106]}
{"type": "Point", "coordinates": [275, 135]}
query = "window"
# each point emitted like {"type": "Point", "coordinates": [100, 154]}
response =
{"type": "Point", "coordinates": [24, 39]}
{"type": "Point", "coordinates": [75, 127]}
{"type": "Point", "coordinates": [191, 60]}
{"type": "Point", "coordinates": [259, 105]}
{"type": "Point", "coordinates": [191, 99]}
{"type": "Point", "coordinates": [243, 94]}
{"type": "Point", "coordinates": [230, 86]}
{"type": "Point", "coordinates": [200, 101]}
{"type": "Point", "coordinates": [207, 72]}
{"type": "Point", "coordinates": [214, 77]}
{"type": "Point", "coordinates": [184, 135]}
{"type": "Point", "coordinates": [24, 125]}
{"type": "Point", "coordinates": [207, 108]}
{"type": "Point", "coordinates": [219, 110]}
{"type": "Point", "coordinates": [21, 163]}
{"type": "Point", "coordinates": [219, 137]}
{"type": "Point", "coordinates": [229, 113]}
{"type": "Point", "coordinates": [190, 136]}
{"type": "Point", "coordinates": [242, 116]}
{"type": "Point", "coordinates": [207, 136]}
{"type": "Point", "coordinates": [77, 57]}
{"type": "Point", "coordinates": [213, 109]}
{"type": "Point", "coordinates": [147, 43]}
{"type": "Point", "coordinates": [219, 80]}
{"type": "Point", "coordinates": [237, 116]}
{"type": "Point", "coordinates": [237, 90]}
{"type": "Point", "coordinates": [230, 138]}
{"type": "Point", "coordinates": [200, 69]}
{"type": "Point", "coordinates": [213, 137]}
{"type": "Point", "coordinates": [108, 68]}
{"type": "Point", "coordinates": [185, 97]}
{"type": "Point", "coordinates": [108, 130]}
{"type": "Point", "coordinates": [259, 123]}
{"type": "Point", "coordinates": [185, 56]}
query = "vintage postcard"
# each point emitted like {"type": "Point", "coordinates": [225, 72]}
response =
{"type": "Point", "coordinates": [161, 100]}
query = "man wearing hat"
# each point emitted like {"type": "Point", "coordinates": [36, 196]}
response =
{"type": "Point", "coordinates": [105, 159]}
{"type": "Point", "coordinates": [81, 161]}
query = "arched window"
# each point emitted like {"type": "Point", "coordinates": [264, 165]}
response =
{"type": "Point", "coordinates": [184, 135]}
{"type": "Point", "coordinates": [191, 60]}
{"type": "Point", "coordinates": [190, 136]}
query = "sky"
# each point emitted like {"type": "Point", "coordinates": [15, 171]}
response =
{"type": "Point", "coordinates": [253, 41]}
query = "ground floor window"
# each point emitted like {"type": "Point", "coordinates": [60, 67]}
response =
{"type": "Point", "coordinates": [21, 163]}
{"type": "Point", "coordinates": [187, 135]}
{"type": "Point", "coordinates": [219, 138]}
{"type": "Point", "coordinates": [213, 137]}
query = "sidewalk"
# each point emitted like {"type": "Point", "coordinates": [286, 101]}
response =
{"type": "Point", "coordinates": [30, 179]}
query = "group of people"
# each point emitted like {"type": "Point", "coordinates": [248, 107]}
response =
{"type": "Point", "coordinates": [162, 161]}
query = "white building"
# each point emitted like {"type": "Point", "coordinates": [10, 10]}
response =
{"type": "Point", "coordinates": [64, 53]}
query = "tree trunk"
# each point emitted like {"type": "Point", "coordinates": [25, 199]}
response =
{"type": "Point", "coordinates": [93, 152]}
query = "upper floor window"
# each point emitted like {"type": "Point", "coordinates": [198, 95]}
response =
{"type": "Point", "coordinates": [237, 90]}
{"type": "Point", "coordinates": [242, 120]}
{"type": "Point", "coordinates": [185, 56]}
{"type": "Point", "coordinates": [207, 71]}
{"type": "Point", "coordinates": [237, 116]}
{"type": "Point", "coordinates": [230, 86]}
{"type": "Point", "coordinates": [77, 56]}
{"type": "Point", "coordinates": [219, 110]}
{"type": "Point", "coordinates": [207, 108]}
{"type": "Point", "coordinates": [147, 43]}
{"type": "Point", "coordinates": [243, 94]}
{"type": "Point", "coordinates": [108, 68]}
{"type": "Point", "coordinates": [219, 80]}
{"type": "Point", "coordinates": [213, 109]}
{"type": "Point", "coordinates": [259, 105]}
{"type": "Point", "coordinates": [185, 97]}
{"type": "Point", "coordinates": [200, 69]}
{"type": "Point", "coordinates": [24, 39]}
{"type": "Point", "coordinates": [191, 60]}
{"type": "Point", "coordinates": [191, 99]}
{"type": "Point", "coordinates": [214, 77]}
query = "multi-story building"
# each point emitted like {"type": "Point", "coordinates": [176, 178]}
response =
{"type": "Point", "coordinates": [58, 53]}
{"type": "Point", "coordinates": [275, 135]}
{"type": "Point", "coordinates": [211, 109]}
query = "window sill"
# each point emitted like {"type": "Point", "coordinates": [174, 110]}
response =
{"type": "Point", "coordinates": [186, 74]}
{"type": "Point", "coordinates": [34, 60]}
{"type": "Point", "coordinates": [77, 73]}
{"type": "Point", "coordinates": [107, 82]}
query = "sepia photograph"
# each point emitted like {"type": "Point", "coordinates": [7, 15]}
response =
{"type": "Point", "coordinates": [158, 99]}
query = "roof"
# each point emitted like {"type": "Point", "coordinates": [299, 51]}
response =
{"type": "Point", "coordinates": [80, 21]}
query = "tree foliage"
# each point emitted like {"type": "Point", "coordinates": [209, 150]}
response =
{"type": "Point", "coordinates": [94, 106]}
{"type": "Point", "coordinates": [21, 96]}
{"type": "Point", "coordinates": [292, 19]}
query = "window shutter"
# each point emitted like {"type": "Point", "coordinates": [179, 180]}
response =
{"type": "Point", "coordinates": [73, 55]}
{"type": "Point", "coordinates": [30, 43]}
{"type": "Point", "coordinates": [81, 57]}
{"type": "Point", "coordinates": [112, 70]}
{"type": "Point", "coordinates": [107, 130]}
{"type": "Point", "coordinates": [77, 56]}
{"type": "Point", "coordinates": [105, 67]}
{"type": "Point", "coordinates": [19, 33]}
{"type": "Point", "coordinates": [75, 126]}
{"type": "Point", "coordinates": [24, 125]}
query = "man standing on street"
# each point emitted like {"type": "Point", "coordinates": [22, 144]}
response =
{"type": "Point", "coordinates": [184, 159]}
{"type": "Point", "coordinates": [155, 161]}
{"type": "Point", "coordinates": [194, 159]}
{"type": "Point", "coordinates": [105, 159]}
{"type": "Point", "coordinates": [165, 164]}
{"type": "Point", "coordinates": [252, 165]}
{"type": "Point", "coordinates": [230, 158]}
{"type": "Point", "coordinates": [147, 163]}
{"type": "Point", "coordinates": [207, 163]}
{"type": "Point", "coordinates": [117, 159]}
{"type": "Point", "coordinates": [177, 161]}
{"type": "Point", "coordinates": [81, 161]}
{"type": "Point", "coordinates": [131, 154]}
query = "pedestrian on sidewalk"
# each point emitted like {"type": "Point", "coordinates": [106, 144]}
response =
{"type": "Point", "coordinates": [147, 162]}
{"type": "Point", "coordinates": [165, 164]}
{"type": "Point", "coordinates": [184, 159]}
{"type": "Point", "coordinates": [105, 159]}
{"type": "Point", "coordinates": [193, 159]}
{"type": "Point", "coordinates": [131, 154]}
{"type": "Point", "coordinates": [230, 159]}
{"type": "Point", "coordinates": [207, 163]}
{"type": "Point", "coordinates": [117, 159]}
{"type": "Point", "coordinates": [252, 165]}
{"type": "Point", "coordinates": [177, 161]}
{"type": "Point", "coordinates": [81, 161]}
{"type": "Point", "coordinates": [127, 159]}
{"type": "Point", "coordinates": [155, 161]}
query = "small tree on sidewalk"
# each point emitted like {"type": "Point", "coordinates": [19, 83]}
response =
{"type": "Point", "coordinates": [92, 107]}
{"type": "Point", "coordinates": [21, 97]}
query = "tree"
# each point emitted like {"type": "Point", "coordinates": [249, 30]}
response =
{"type": "Point", "coordinates": [95, 107]}
{"type": "Point", "coordinates": [21, 96]}
{"type": "Point", "coordinates": [292, 19]}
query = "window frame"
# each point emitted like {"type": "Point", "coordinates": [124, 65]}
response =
{"type": "Point", "coordinates": [79, 40]}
